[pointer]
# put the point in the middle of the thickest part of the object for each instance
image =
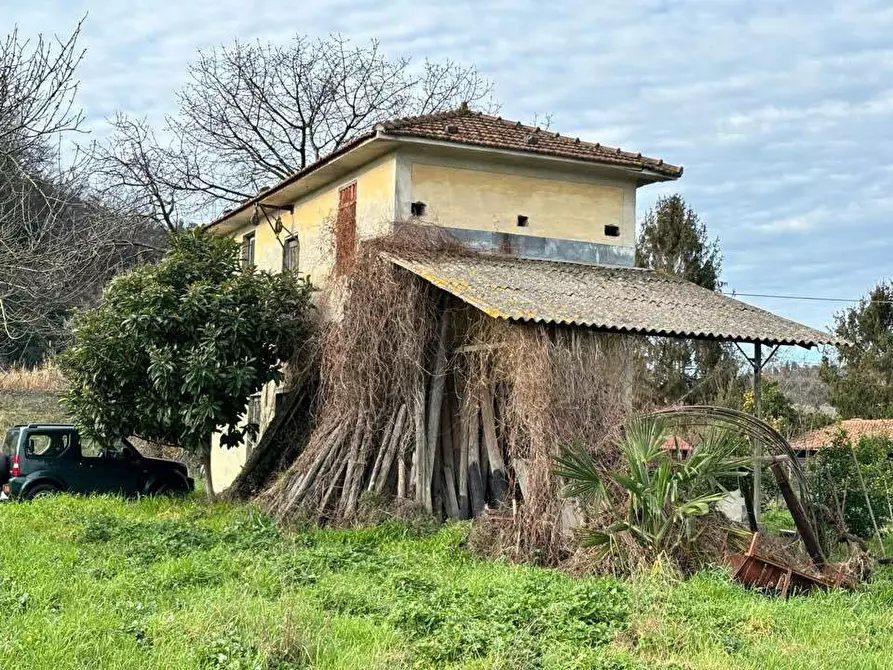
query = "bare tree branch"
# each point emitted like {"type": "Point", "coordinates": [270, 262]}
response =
{"type": "Point", "coordinates": [59, 243]}
{"type": "Point", "coordinates": [253, 113]}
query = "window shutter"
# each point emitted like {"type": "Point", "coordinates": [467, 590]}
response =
{"type": "Point", "coordinates": [291, 254]}
{"type": "Point", "coordinates": [346, 229]}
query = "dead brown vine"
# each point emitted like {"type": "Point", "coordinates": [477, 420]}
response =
{"type": "Point", "coordinates": [424, 398]}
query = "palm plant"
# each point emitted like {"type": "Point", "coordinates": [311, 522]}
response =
{"type": "Point", "coordinates": [666, 490]}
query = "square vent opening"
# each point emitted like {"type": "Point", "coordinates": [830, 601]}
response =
{"type": "Point", "coordinates": [612, 230]}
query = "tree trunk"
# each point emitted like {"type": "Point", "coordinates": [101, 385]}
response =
{"type": "Point", "coordinates": [461, 417]}
{"type": "Point", "coordinates": [331, 446]}
{"type": "Point", "coordinates": [420, 458]}
{"type": "Point", "coordinates": [206, 466]}
{"type": "Point", "coordinates": [401, 470]}
{"type": "Point", "coordinates": [435, 400]}
{"type": "Point", "coordinates": [382, 450]}
{"type": "Point", "coordinates": [391, 448]}
{"type": "Point", "coordinates": [451, 502]}
{"type": "Point", "coordinates": [813, 548]}
{"type": "Point", "coordinates": [352, 487]}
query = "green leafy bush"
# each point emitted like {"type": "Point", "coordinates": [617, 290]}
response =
{"type": "Point", "coordinates": [665, 493]}
{"type": "Point", "coordinates": [835, 481]}
{"type": "Point", "coordinates": [174, 350]}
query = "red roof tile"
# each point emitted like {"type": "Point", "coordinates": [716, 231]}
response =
{"type": "Point", "coordinates": [676, 443]}
{"type": "Point", "coordinates": [855, 428]}
{"type": "Point", "coordinates": [463, 126]}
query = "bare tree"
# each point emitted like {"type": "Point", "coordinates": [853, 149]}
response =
{"type": "Point", "coordinates": [139, 174]}
{"type": "Point", "coordinates": [252, 114]}
{"type": "Point", "coordinates": [58, 247]}
{"type": "Point", "coordinates": [58, 242]}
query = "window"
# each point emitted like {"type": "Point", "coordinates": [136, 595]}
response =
{"type": "Point", "coordinates": [281, 400]}
{"type": "Point", "coordinates": [523, 221]}
{"type": "Point", "coordinates": [417, 208]}
{"type": "Point", "coordinates": [612, 230]}
{"type": "Point", "coordinates": [346, 229]}
{"type": "Point", "coordinates": [46, 445]}
{"type": "Point", "coordinates": [290, 254]}
{"type": "Point", "coordinates": [91, 448]}
{"type": "Point", "coordinates": [253, 416]}
{"type": "Point", "coordinates": [248, 243]}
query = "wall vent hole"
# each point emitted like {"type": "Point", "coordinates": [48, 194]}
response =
{"type": "Point", "coordinates": [523, 221]}
{"type": "Point", "coordinates": [417, 209]}
{"type": "Point", "coordinates": [612, 231]}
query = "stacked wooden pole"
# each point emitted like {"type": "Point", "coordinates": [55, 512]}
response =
{"type": "Point", "coordinates": [439, 446]}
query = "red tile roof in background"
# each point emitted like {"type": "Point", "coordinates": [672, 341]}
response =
{"type": "Point", "coordinates": [676, 443]}
{"type": "Point", "coordinates": [855, 428]}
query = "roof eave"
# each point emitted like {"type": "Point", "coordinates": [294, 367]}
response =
{"type": "Point", "coordinates": [644, 175]}
{"type": "Point", "coordinates": [266, 196]}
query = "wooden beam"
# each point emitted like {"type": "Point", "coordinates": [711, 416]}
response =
{"type": "Point", "coordinates": [800, 519]}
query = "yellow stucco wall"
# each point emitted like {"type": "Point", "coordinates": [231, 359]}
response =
{"type": "Point", "coordinates": [491, 200]}
{"type": "Point", "coordinates": [459, 192]}
{"type": "Point", "coordinates": [314, 214]}
{"type": "Point", "coordinates": [311, 222]}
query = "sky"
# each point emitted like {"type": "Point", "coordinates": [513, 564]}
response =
{"type": "Point", "coordinates": [780, 112]}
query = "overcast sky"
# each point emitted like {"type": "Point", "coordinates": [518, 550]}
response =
{"type": "Point", "coordinates": [780, 111]}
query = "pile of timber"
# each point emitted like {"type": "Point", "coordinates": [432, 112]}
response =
{"type": "Point", "coordinates": [439, 444]}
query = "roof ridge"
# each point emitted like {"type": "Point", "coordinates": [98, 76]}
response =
{"type": "Point", "coordinates": [476, 127]}
{"type": "Point", "coordinates": [403, 121]}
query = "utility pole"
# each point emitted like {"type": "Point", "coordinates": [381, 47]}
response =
{"type": "Point", "coordinates": [758, 413]}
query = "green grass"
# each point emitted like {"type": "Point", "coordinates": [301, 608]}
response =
{"type": "Point", "coordinates": [776, 518]}
{"type": "Point", "coordinates": [104, 583]}
{"type": "Point", "coordinates": [28, 406]}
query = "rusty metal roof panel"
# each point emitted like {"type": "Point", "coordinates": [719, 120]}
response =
{"type": "Point", "coordinates": [615, 299]}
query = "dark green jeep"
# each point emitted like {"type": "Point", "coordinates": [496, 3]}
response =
{"type": "Point", "coordinates": [42, 459]}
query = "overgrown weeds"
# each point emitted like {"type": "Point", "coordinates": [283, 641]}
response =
{"type": "Point", "coordinates": [47, 378]}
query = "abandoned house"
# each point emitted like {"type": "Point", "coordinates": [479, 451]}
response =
{"type": "Point", "coordinates": [553, 217]}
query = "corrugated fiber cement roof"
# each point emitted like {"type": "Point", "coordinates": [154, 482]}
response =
{"type": "Point", "coordinates": [626, 300]}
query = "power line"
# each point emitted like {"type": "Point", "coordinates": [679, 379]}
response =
{"type": "Point", "coordinates": [805, 297]}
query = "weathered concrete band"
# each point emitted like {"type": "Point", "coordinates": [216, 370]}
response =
{"type": "Point", "coordinates": [545, 248]}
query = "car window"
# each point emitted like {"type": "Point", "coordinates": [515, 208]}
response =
{"type": "Point", "coordinates": [46, 445]}
{"type": "Point", "coordinates": [93, 448]}
{"type": "Point", "coordinates": [10, 441]}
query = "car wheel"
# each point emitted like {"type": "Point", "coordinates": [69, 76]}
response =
{"type": "Point", "coordinates": [166, 490]}
{"type": "Point", "coordinates": [42, 491]}
{"type": "Point", "coordinates": [169, 490]}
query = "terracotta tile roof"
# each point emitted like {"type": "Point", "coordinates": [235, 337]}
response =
{"type": "Point", "coordinates": [462, 126]}
{"type": "Point", "coordinates": [855, 428]}
{"type": "Point", "coordinates": [676, 443]}
{"type": "Point", "coordinates": [627, 300]}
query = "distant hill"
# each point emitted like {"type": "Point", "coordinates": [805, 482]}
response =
{"type": "Point", "coordinates": [801, 383]}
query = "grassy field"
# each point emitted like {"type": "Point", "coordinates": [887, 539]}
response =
{"type": "Point", "coordinates": [26, 406]}
{"type": "Point", "coordinates": [103, 583]}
